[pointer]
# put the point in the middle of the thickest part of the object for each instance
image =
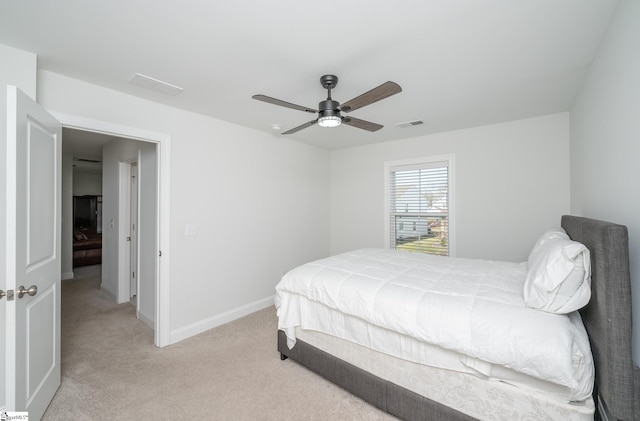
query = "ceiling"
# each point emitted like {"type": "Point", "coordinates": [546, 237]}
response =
{"type": "Point", "coordinates": [85, 148]}
{"type": "Point", "coordinates": [460, 63]}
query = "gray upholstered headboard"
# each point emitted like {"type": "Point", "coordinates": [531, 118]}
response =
{"type": "Point", "coordinates": [607, 317]}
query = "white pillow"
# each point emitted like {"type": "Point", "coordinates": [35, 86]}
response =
{"type": "Point", "coordinates": [559, 275]}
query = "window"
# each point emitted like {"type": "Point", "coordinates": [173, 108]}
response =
{"type": "Point", "coordinates": [419, 205]}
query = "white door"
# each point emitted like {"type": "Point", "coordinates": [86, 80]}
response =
{"type": "Point", "coordinates": [133, 221]}
{"type": "Point", "coordinates": [32, 246]}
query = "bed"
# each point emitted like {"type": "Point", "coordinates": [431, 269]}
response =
{"type": "Point", "coordinates": [446, 389]}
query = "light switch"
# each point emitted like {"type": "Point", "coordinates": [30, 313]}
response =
{"type": "Point", "coordinates": [190, 230]}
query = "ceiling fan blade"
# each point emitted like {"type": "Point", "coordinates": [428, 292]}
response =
{"type": "Point", "coordinates": [376, 94]}
{"type": "Point", "coordinates": [362, 124]}
{"type": "Point", "coordinates": [303, 126]}
{"type": "Point", "coordinates": [283, 103]}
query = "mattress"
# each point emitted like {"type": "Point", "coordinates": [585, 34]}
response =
{"type": "Point", "coordinates": [459, 314]}
{"type": "Point", "coordinates": [409, 349]}
{"type": "Point", "coordinates": [481, 398]}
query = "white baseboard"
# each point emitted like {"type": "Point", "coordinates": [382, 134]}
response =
{"type": "Point", "coordinates": [146, 320]}
{"type": "Point", "coordinates": [193, 329]}
{"type": "Point", "coordinates": [66, 275]}
{"type": "Point", "coordinates": [108, 293]}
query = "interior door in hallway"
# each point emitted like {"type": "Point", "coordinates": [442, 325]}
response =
{"type": "Point", "coordinates": [133, 219]}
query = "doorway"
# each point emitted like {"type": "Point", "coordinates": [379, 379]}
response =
{"type": "Point", "coordinates": [87, 228]}
{"type": "Point", "coordinates": [153, 160]}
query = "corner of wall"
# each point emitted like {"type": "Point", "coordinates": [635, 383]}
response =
{"type": "Point", "coordinates": [19, 68]}
{"type": "Point", "coordinates": [203, 325]}
{"type": "Point", "coordinates": [108, 293]}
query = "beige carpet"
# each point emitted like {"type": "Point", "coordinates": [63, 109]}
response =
{"type": "Point", "coordinates": [111, 370]}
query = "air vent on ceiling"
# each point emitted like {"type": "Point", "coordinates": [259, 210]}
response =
{"type": "Point", "coordinates": [410, 123]}
{"type": "Point", "coordinates": [155, 84]}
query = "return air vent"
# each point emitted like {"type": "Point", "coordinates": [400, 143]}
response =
{"type": "Point", "coordinates": [155, 84]}
{"type": "Point", "coordinates": [410, 123]}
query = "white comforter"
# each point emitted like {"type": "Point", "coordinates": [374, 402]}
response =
{"type": "Point", "coordinates": [473, 307]}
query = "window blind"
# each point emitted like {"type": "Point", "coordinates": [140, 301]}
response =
{"type": "Point", "coordinates": [419, 207]}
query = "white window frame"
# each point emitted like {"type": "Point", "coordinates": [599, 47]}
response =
{"type": "Point", "coordinates": [389, 165]}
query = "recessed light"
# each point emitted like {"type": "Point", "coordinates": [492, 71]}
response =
{"type": "Point", "coordinates": [276, 126]}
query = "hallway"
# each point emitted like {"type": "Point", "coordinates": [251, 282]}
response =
{"type": "Point", "coordinates": [102, 343]}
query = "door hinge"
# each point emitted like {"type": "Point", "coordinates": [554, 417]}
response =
{"type": "Point", "coordinates": [159, 253]}
{"type": "Point", "coordinates": [133, 274]}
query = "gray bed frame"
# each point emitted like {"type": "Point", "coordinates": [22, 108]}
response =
{"type": "Point", "coordinates": [607, 319]}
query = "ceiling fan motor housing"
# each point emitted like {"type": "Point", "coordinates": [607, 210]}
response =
{"type": "Point", "coordinates": [328, 107]}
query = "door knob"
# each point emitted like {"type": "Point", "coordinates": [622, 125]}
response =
{"type": "Point", "coordinates": [2, 294]}
{"type": "Point", "coordinates": [33, 290]}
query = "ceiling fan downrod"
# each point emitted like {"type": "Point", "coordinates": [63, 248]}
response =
{"type": "Point", "coordinates": [329, 107]}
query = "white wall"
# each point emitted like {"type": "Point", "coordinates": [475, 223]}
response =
{"type": "Point", "coordinates": [260, 202]}
{"type": "Point", "coordinates": [87, 183]}
{"type": "Point", "coordinates": [511, 184]}
{"type": "Point", "coordinates": [605, 140]}
{"type": "Point", "coordinates": [147, 170]}
{"type": "Point", "coordinates": [18, 68]}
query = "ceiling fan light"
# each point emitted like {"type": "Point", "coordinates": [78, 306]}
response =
{"type": "Point", "coordinates": [329, 121]}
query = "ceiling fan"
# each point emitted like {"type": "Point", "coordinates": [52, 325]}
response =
{"type": "Point", "coordinates": [329, 110]}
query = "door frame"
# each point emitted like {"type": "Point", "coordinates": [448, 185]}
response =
{"type": "Point", "coordinates": [134, 224]}
{"type": "Point", "coordinates": [125, 244]}
{"type": "Point", "coordinates": [162, 331]}
{"type": "Point", "coordinates": [128, 194]}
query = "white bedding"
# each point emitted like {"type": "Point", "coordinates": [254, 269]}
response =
{"type": "Point", "coordinates": [472, 307]}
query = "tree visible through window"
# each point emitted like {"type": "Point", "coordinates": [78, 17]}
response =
{"type": "Point", "coordinates": [419, 207]}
